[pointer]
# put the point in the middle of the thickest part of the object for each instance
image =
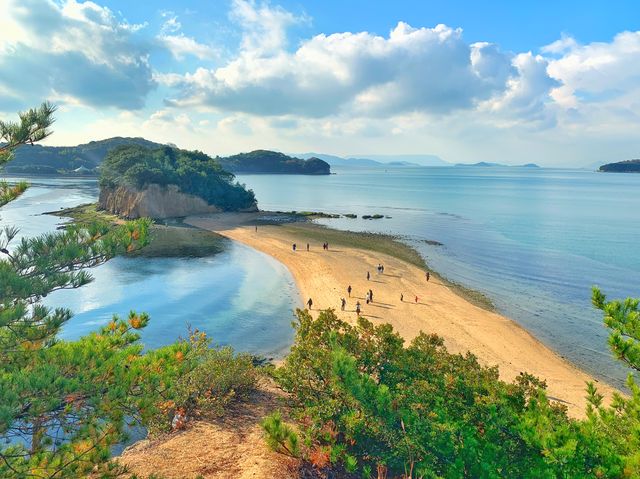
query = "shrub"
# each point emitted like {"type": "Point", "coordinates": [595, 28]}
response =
{"type": "Point", "coordinates": [212, 379]}
{"type": "Point", "coordinates": [419, 411]}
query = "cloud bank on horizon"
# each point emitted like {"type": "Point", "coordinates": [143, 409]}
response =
{"type": "Point", "coordinates": [418, 89]}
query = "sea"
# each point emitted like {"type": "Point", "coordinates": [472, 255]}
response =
{"type": "Point", "coordinates": [534, 240]}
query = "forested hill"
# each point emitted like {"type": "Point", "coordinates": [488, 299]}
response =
{"type": "Point", "coordinates": [628, 166]}
{"type": "Point", "coordinates": [85, 159]}
{"type": "Point", "coordinates": [265, 161]}
{"type": "Point", "coordinates": [52, 160]}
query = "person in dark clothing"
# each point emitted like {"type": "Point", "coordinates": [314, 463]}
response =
{"type": "Point", "coordinates": [368, 276]}
{"type": "Point", "coordinates": [310, 303]}
{"type": "Point", "coordinates": [358, 308]}
{"type": "Point", "coordinates": [343, 303]}
{"type": "Point", "coordinates": [293, 246]}
{"type": "Point", "coordinates": [371, 295]}
{"type": "Point", "coordinates": [307, 246]}
{"type": "Point", "coordinates": [401, 297]}
{"type": "Point", "coordinates": [428, 276]}
{"type": "Point", "coordinates": [349, 290]}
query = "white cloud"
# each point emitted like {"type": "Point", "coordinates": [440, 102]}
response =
{"type": "Point", "coordinates": [181, 46]}
{"type": "Point", "coordinates": [71, 50]}
{"type": "Point", "coordinates": [601, 71]}
{"type": "Point", "coordinates": [264, 25]}
{"type": "Point", "coordinates": [178, 44]}
{"type": "Point", "coordinates": [413, 69]}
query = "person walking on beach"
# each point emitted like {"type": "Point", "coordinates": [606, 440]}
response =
{"type": "Point", "coordinates": [428, 276]}
{"type": "Point", "coordinates": [382, 268]}
{"type": "Point", "coordinates": [256, 228]}
{"type": "Point", "coordinates": [307, 246]}
{"type": "Point", "coordinates": [310, 303]}
{"type": "Point", "coordinates": [371, 296]}
{"type": "Point", "coordinates": [417, 299]}
{"type": "Point", "coordinates": [343, 303]}
{"type": "Point", "coordinates": [368, 276]}
{"type": "Point", "coordinates": [401, 297]}
{"type": "Point", "coordinates": [293, 246]}
{"type": "Point", "coordinates": [358, 308]}
{"type": "Point", "coordinates": [366, 296]}
{"type": "Point", "coordinates": [349, 290]}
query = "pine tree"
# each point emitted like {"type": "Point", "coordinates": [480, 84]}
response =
{"type": "Point", "coordinates": [64, 403]}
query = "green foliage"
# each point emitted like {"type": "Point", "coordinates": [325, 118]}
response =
{"type": "Point", "coordinates": [265, 161]}
{"type": "Point", "coordinates": [621, 420]}
{"type": "Point", "coordinates": [64, 403]}
{"type": "Point", "coordinates": [33, 127]}
{"type": "Point", "coordinates": [9, 192]}
{"type": "Point", "coordinates": [418, 411]}
{"type": "Point", "coordinates": [55, 160]}
{"type": "Point", "coordinates": [280, 436]}
{"type": "Point", "coordinates": [213, 379]}
{"type": "Point", "coordinates": [192, 172]}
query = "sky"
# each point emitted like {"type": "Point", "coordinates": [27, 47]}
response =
{"type": "Point", "coordinates": [554, 83]}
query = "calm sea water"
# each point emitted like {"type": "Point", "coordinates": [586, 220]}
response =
{"type": "Point", "coordinates": [239, 297]}
{"type": "Point", "coordinates": [533, 240]}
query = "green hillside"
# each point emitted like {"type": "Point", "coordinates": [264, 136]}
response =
{"type": "Point", "coordinates": [85, 159]}
{"type": "Point", "coordinates": [265, 161]}
{"type": "Point", "coordinates": [193, 172]}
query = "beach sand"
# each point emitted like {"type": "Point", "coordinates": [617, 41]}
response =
{"type": "Point", "coordinates": [325, 275]}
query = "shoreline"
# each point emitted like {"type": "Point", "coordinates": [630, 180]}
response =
{"type": "Point", "coordinates": [441, 309]}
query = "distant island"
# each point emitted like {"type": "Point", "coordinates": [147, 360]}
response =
{"type": "Point", "coordinates": [166, 182]}
{"type": "Point", "coordinates": [265, 161]}
{"type": "Point", "coordinates": [86, 159]}
{"type": "Point", "coordinates": [377, 161]}
{"type": "Point", "coordinates": [627, 166]}
{"type": "Point", "coordinates": [487, 164]}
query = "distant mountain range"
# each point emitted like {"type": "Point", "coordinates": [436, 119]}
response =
{"type": "Point", "coordinates": [379, 160]}
{"type": "Point", "coordinates": [486, 164]}
{"type": "Point", "coordinates": [85, 159]}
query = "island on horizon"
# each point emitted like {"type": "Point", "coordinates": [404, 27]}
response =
{"type": "Point", "coordinates": [626, 166]}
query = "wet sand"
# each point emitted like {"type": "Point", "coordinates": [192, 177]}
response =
{"type": "Point", "coordinates": [324, 277]}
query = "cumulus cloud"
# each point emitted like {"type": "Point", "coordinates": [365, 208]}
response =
{"type": "Point", "coordinates": [527, 93]}
{"type": "Point", "coordinates": [75, 51]}
{"type": "Point", "coordinates": [423, 69]}
{"type": "Point", "coordinates": [600, 71]}
{"type": "Point", "coordinates": [178, 44]}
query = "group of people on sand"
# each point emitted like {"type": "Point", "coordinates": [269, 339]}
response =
{"type": "Point", "coordinates": [325, 246]}
{"type": "Point", "coordinates": [368, 294]}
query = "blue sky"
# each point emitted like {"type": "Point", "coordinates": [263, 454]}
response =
{"type": "Point", "coordinates": [556, 83]}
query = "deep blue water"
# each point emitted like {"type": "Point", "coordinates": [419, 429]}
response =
{"type": "Point", "coordinates": [239, 297]}
{"type": "Point", "coordinates": [533, 240]}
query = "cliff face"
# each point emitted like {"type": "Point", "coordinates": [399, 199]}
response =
{"type": "Point", "coordinates": [154, 201]}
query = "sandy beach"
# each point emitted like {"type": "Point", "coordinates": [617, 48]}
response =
{"type": "Point", "coordinates": [324, 277]}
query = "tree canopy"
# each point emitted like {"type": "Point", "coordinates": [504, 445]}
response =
{"type": "Point", "coordinates": [193, 172]}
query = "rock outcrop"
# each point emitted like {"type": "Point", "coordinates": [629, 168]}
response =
{"type": "Point", "coordinates": [154, 201]}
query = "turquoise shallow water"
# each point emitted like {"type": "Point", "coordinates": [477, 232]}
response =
{"type": "Point", "coordinates": [533, 240]}
{"type": "Point", "coordinates": [239, 297]}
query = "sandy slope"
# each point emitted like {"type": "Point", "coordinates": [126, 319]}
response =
{"type": "Point", "coordinates": [229, 447]}
{"type": "Point", "coordinates": [325, 275]}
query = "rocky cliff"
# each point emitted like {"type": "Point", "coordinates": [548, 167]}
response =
{"type": "Point", "coordinates": [153, 201]}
